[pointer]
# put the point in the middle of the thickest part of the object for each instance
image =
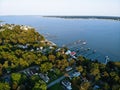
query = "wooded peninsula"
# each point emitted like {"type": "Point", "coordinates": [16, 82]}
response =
{"type": "Point", "coordinates": [28, 61]}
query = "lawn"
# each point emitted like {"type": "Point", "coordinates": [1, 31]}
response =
{"type": "Point", "coordinates": [57, 86]}
{"type": "Point", "coordinates": [53, 76]}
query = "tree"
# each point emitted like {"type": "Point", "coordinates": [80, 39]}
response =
{"type": "Point", "coordinates": [14, 85]}
{"type": "Point", "coordinates": [71, 62]}
{"type": "Point", "coordinates": [62, 64]}
{"type": "Point", "coordinates": [21, 87]}
{"type": "Point", "coordinates": [34, 79]}
{"type": "Point", "coordinates": [81, 58]}
{"type": "Point", "coordinates": [80, 68]}
{"type": "Point", "coordinates": [23, 63]}
{"type": "Point", "coordinates": [1, 69]}
{"type": "Point", "coordinates": [46, 67]}
{"type": "Point", "coordinates": [58, 54]}
{"type": "Point", "coordinates": [106, 86]}
{"type": "Point", "coordinates": [23, 78]}
{"type": "Point", "coordinates": [38, 61]}
{"type": "Point", "coordinates": [16, 77]}
{"type": "Point", "coordinates": [57, 71]}
{"type": "Point", "coordinates": [85, 86]}
{"type": "Point", "coordinates": [4, 86]}
{"type": "Point", "coordinates": [95, 69]}
{"type": "Point", "coordinates": [116, 87]}
{"type": "Point", "coordinates": [44, 58]}
{"type": "Point", "coordinates": [51, 58]}
{"type": "Point", "coordinates": [95, 72]}
{"type": "Point", "coordinates": [40, 85]}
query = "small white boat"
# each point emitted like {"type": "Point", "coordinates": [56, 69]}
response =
{"type": "Point", "coordinates": [84, 43]}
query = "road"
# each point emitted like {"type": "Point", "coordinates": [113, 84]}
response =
{"type": "Point", "coordinates": [58, 80]}
{"type": "Point", "coordinates": [49, 85]}
{"type": "Point", "coordinates": [7, 76]}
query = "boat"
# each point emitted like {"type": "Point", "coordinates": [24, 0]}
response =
{"type": "Point", "coordinates": [84, 43]}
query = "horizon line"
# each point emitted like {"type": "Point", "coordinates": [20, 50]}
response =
{"type": "Point", "coordinates": [66, 15]}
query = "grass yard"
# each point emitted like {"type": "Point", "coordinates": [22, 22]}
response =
{"type": "Point", "coordinates": [57, 86]}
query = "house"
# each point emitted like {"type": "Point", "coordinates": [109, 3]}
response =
{"type": "Point", "coordinates": [23, 46]}
{"type": "Point", "coordinates": [69, 59]}
{"type": "Point", "coordinates": [50, 47]}
{"type": "Point", "coordinates": [67, 84]}
{"type": "Point", "coordinates": [68, 52]}
{"type": "Point", "coordinates": [76, 74]}
{"type": "Point", "coordinates": [73, 53]}
{"type": "Point", "coordinates": [85, 79]}
{"type": "Point", "coordinates": [1, 25]}
{"type": "Point", "coordinates": [96, 87]}
{"type": "Point", "coordinates": [68, 68]}
{"type": "Point", "coordinates": [32, 50]}
{"type": "Point", "coordinates": [41, 48]}
{"type": "Point", "coordinates": [58, 49]}
{"type": "Point", "coordinates": [26, 73]}
{"type": "Point", "coordinates": [37, 49]}
{"type": "Point", "coordinates": [44, 77]}
{"type": "Point", "coordinates": [24, 27]}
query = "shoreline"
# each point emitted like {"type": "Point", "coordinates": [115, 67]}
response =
{"type": "Point", "coordinates": [86, 17]}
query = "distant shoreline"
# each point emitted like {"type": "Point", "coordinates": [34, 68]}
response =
{"type": "Point", "coordinates": [86, 17]}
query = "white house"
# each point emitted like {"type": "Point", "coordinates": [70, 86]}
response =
{"type": "Point", "coordinates": [68, 68]}
{"type": "Point", "coordinates": [44, 77]}
{"type": "Point", "coordinates": [67, 84]}
{"type": "Point", "coordinates": [76, 74]}
{"type": "Point", "coordinates": [68, 52]}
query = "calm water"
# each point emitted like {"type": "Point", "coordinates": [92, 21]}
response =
{"type": "Point", "coordinates": [100, 35]}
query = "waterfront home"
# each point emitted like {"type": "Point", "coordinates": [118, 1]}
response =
{"type": "Point", "coordinates": [73, 53]}
{"type": "Point", "coordinates": [24, 27]}
{"type": "Point", "coordinates": [1, 25]}
{"type": "Point", "coordinates": [67, 84]}
{"type": "Point", "coordinates": [58, 49]}
{"type": "Point", "coordinates": [68, 52]}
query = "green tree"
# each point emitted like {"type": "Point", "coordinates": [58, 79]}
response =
{"type": "Point", "coordinates": [14, 85]}
{"type": "Point", "coordinates": [4, 86]}
{"type": "Point", "coordinates": [40, 85]}
{"type": "Point", "coordinates": [46, 67]}
{"type": "Point", "coordinates": [106, 86]}
{"type": "Point", "coordinates": [23, 63]}
{"type": "Point", "coordinates": [16, 77]}
{"type": "Point", "coordinates": [44, 58]}
{"type": "Point", "coordinates": [62, 64]}
{"type": "Point", "coordinates": [85, 86]}
{"type": "Point", "coordinates": [80, 68]}
{"type": "Point", "coordinates": [51, 58]}
{"type": "Point", "coordinates": [34, 79]}
{"type": "Point", "coordinates": [1, 69]}
{"type": "Point", "coordinates": [81, 58]}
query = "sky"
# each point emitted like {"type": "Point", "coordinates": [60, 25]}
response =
{"type": "Point", "coordinates": [60, 7]}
